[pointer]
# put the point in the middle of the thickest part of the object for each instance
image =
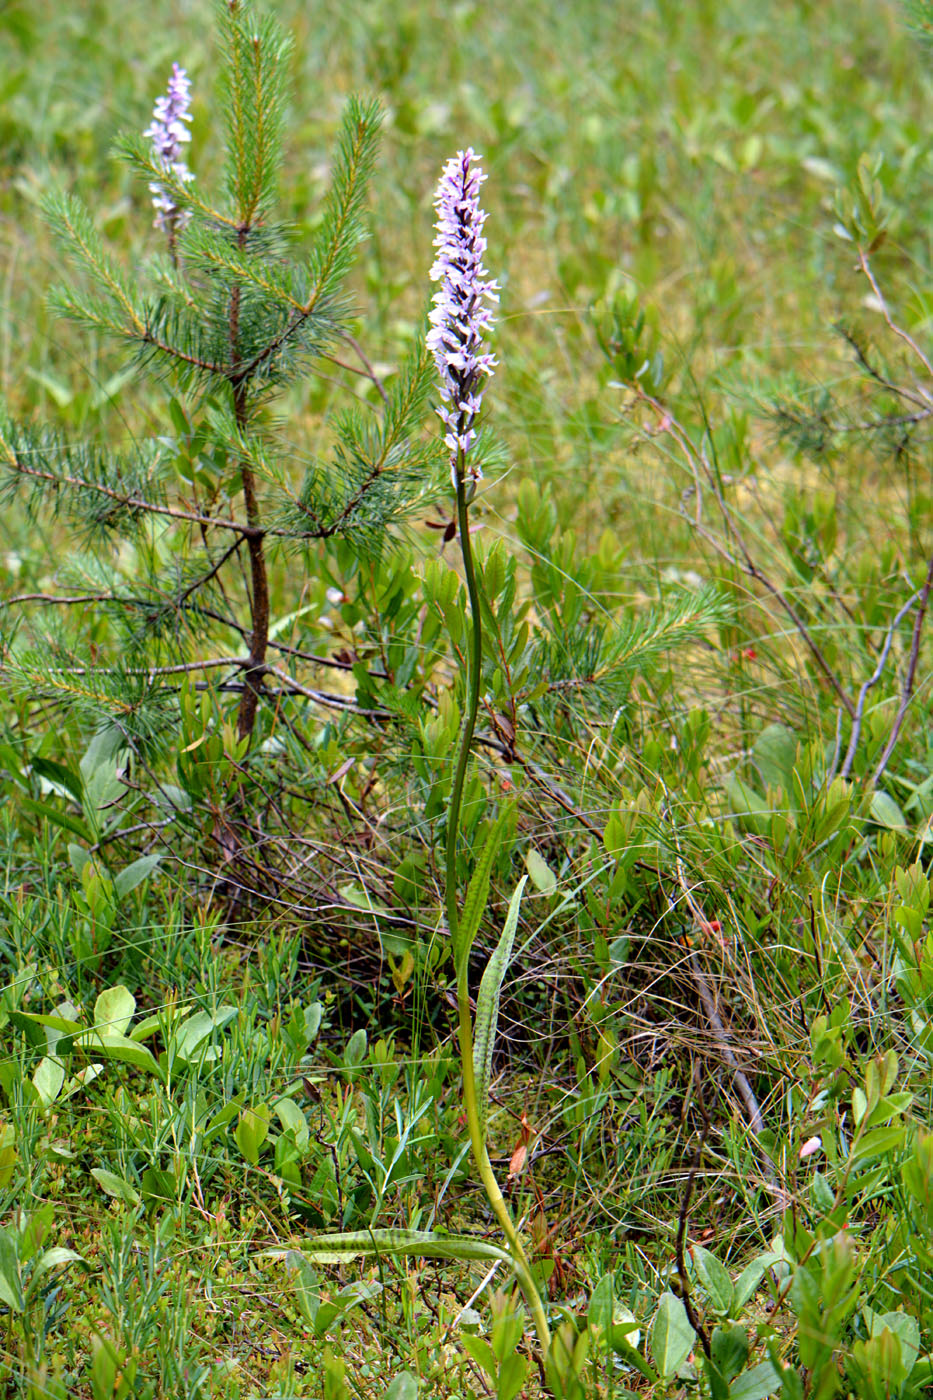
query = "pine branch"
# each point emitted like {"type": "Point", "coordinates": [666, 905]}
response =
{"type": "Point", "coordinates": [254, 89]}
{"type": "Point", "coordinates": [72, 224]}
{"type": "Point", "coordinates": [343, 229]}
{"type": "Point", "coordinates": [126, 504]}
{"type": "Point", "coordinates": [587, 659]}
{"type": "Point", "coordinates": [136, 152]}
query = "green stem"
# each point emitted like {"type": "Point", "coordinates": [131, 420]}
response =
{"type": "Point", "coordinates": [464, 1019]}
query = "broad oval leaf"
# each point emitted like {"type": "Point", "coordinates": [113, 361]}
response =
{"type": "Point", "coordinates": [113, 1010]}
{"type": "Point", "coordinates": [714, 1278]}
{"type": "Point", "coordinates": [672, 1337]}
{"type": "Point", "coordinates": [48, 1080]}
{"type": "Point", "coordinates": [54, 1257]}
{"type": "Point", "coordinates": [541, 874]}
{"type": "Point", "coordinates": [756, 1384]}
{"type": "Point", "coordinates": [886, 812]}
{"type": "Point", "coordinates": [404, 1387]}
{"type": "Point", "coordinates": [120, 1048]}
{"type": "Point", "coordinates": [11, 1288]}
{"type": "Point", "coordinates": [115, 1186]}
{"type": "Point", "coordinates": [356, 1048]}
{"type": "Point", "coordinates": [252, 1131]}
{"type": "Point", "coordinates": [134, 874]}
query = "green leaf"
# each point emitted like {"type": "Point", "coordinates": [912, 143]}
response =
{"type": "Point", "coordinates": [48, 1080]}
{"type": "Point", "coordinates": [356, 1049]}
{"type": "Point", "coordinates": [482, 1353]}
{"type": "Point", "coordinates": [906, 1329]}
{"type": "Point", "coordinates": [671, 1337]}
{"type": "Point", "coordinates": [63, 777]}
{"type": "Point", "coordinates": [748, 806]}
{"type": "Point", "coordinates": [113, 1011]}
{"type": "Point", "coordinates": [477, 895]}
{"type": "Point", "coordinates": [252, 1131]}
{"type": "Point", "coordinates": [189, 1037]}
{"type": "Point", "coordinates": [887, 1108]}
{"type": "Point", "coordinates": [512, 1372]}
{"type": "Point", "coordinates": [886, 811]}
{"type": "Point", "coordinates": [292, 1120]}
{"type": "Point", "coordinates": [115, 1186]}
{"type": "Point", "coordinates": [306, 1286]}
{"type": "Point", "coordinates": [599, 1313]}
{"type": "Point", "coordinates": [774, 752]}
{"type": "Point", "coordinates": [487, 1006]}
{"type": "Point", "coordinates": [78, 857]}
{"type": "Point", "coordinates": [747, 1282]}
{"type": "Point", "coordinates": [11, 1288]}
{"type": "Point", "coordinates": [133, 875]}
{"type": "Point", "coordinates": [54, 1258]}
{"type": "Point", "coordinates": [427, 1244]}
{"type": "Point", "coordinates": [540, 873]}
{"type": "Point", "coordinates": [714, 1278]}
{"type": "Point", "coordinates": [38, 1026]}
{"type": "Point", "coordinates": [729, 1351]}
{"type": "Point", "coordinates": [334, 1310]}
{"type": "Point", "coordinates": [159, 1185]}
{"type": "Point", "coordinates": [878, 1142]}
{"type": "Point", "coordinates": [58, 818]}
{"type": "Point", "coordinates": [120, 1048]}
{"type": "Point", "coordinates": [757, 1383]}
{"type": "Point", "coordinates": [403, 1387]}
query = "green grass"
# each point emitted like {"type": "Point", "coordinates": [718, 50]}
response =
{"type": "Point", "coordinates": [685, 157]}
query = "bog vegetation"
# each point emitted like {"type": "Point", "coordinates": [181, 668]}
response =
{"type": "Point", "coordinates": [464, 918]}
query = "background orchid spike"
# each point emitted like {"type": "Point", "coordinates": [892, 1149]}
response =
{"type": "Point", "coordinates": [168, 134]}
{"type": "Point", "coordinates": [461, 314]}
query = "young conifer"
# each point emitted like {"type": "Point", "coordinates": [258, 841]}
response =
{"type": "Point", "coordinates": [237, 312]}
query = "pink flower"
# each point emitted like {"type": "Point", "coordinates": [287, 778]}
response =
{"type": "Point", "coordinates": [168, 134]}
{"type": "Point", "coordinates": [460, 314]}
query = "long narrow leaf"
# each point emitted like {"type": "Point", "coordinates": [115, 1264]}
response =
{"type": "Point", "coordinates": [333, 1248]}
{"type": "Point", "coordinates": [477, 894]}
{"type": "Point", "coordinates": [487, 1005]}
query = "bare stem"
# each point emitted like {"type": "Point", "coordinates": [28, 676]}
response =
{"type": "Point", "coordinates": [907, 689]}
{"type": "Point", "coordinates": [872, 681]}
{"type": "Point", "coordinates": [259, 579]}
{"type": "Point", "coordinates": [464, 1014]}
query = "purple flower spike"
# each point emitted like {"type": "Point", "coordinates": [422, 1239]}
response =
{"type": "Point", "coordinates": [461, 314]}
{"type": "Point", "coordinates": [168, 134]}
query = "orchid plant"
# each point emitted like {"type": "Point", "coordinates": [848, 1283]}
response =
{"type": "Point", "coordinates": [460, 319]}
{"type": "Point", "coordinates": [168, 132]}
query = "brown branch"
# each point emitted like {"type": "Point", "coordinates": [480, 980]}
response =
{"type": "Point", "coordinates": [137, 503]}
{"type": "Point", "coordinates": [180, 668]}
{"type": "Point", "coordinates": [259, 579]}
{"type": "Point", "coordinates": [883, 308]}
{"type": "Point", "coordinates": [52, 598]}
{"type": "Point", "coordinates": [872, 681]}
{"type": "Point", "coordinates": [368, 372]}
{"type": "Point", "coordinates": [684, 1214]}
{"type": "Point", "coordinates": [259, 593]}
{"type": "Point", "coordinates": [743, 560]}
{"type": "Point", "coordinates": [208, 366]}
{"type": "Point", "coordinates": [323, 697]}
{"type": "Point", "coordinates": [907, 689]}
